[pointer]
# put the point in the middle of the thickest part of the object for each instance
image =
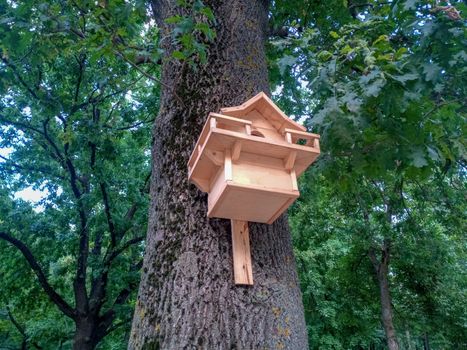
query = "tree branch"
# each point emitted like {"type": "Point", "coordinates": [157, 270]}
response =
{"type": "Point", "coordinates": [44, 171]}
{"type": "Point", "coordinates": [108, 214]}
{"type": "Point", "coordinates": [50, 291]}
{"type": "Point", "coordinates": [20, 78]}
{"type": "Point", "coordinates": [16, 323]}
{"type": "Point", "coordinates": [116, 252]}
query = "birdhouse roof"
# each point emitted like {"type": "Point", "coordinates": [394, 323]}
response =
{"type": "Point", "coordinates": [268, 109]}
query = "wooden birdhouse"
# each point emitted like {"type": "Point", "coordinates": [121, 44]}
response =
{"type": "Point", "coordinates": [247, 159]}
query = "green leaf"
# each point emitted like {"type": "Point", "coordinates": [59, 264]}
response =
{"type": "Point", "coordinates": [178, 55]}
{"type": "Point", "coordinates": [285, 62]}
{"type": "Point", "coordinates": [418, 158]}
{"type": "Point", "coordinates": [432, 71]}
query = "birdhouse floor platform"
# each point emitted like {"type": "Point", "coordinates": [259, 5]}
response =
{"type": "Point", "coordinates": [250, 202]}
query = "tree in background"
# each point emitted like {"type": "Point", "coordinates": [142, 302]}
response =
{"type": "Point", "coordinates": [75, 120]}
{"type": "Point", "coordinates": [387, 93]}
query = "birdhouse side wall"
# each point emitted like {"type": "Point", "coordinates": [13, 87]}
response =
{"type": "Point", "coordinates": [216, 188]}
{"type": "Point", "coordinates": [265, 175]}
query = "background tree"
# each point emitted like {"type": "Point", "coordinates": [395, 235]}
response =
{"type": "Point", "coordinates": [74, 121]}
{"type": "Point", "coordinates": [388, 99]}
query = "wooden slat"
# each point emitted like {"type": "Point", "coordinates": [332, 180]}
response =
{"type": "Point", "coordinates": [237, 148]}
{"type": "Point", "coordinates": [289, 162]}
{"type": "Point", "coordinates": [296, 135]}
{"type": "Point", "coordinates": [215, 156]}
{"type": "Point", "coordinates": [228, 166]}
{"type": "Point", "coordinates": [221, 139]}
{"type": "Point", "coordinates": [280, 211]}
{"type": "Point", "coordinates": [262, 102]}
{"type": "Point", "coordinates": [213, 123]}
{"type": "Point", "coordinates": [229, 120]}
{"type": "Point", "coordinates": [201, 139]}
{"type": "Point", "coordinates": [243, 272]}
{"type": "Point", "coordinates": [316, 144]}
{"type": "Point", "coordinates": [294, 180]}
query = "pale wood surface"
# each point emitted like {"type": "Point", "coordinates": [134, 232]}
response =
{"type": "Point", "coordinates": [262, 103]}
{"type": "Point", "coordinates": [243, 273]}
{"type": "Point", "coordinates": [228, 165]}
{"type": "Point", "coordinates": [236, 150]}
{"type": "Point", "coordinates": [249, 202]}
{"type": "Point", "coordinates": [251, 177]}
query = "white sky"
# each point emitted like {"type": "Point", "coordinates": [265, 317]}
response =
{"type": "Point", "coordinates": [28, 194]}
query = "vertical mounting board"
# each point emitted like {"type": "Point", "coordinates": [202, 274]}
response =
{"type": "Point", "coordinates": [243, 273]}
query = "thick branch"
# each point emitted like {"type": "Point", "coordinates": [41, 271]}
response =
{"type": "Point", "coordinates": [122, 248]}
{"type": "Point", "coordinates": [53, 295]}
{"type": "Point", "coordinates": [108, 214]}
{"type": "Point", "coordinates": [44, 171]}
{"type": "Point", "coordinates": [20, 78]}
{"type": "Point", "coordinates": [16, 323]}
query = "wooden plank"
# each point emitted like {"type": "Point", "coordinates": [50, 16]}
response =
{"type": "Point", "coordinates": [307, 136]}
{"type": "Point", "coordinates": [294, 180]}
{"type": "Point", "coordinates": [302, 133]}
{"type": "Point", "coordinates": [240, 202]}
{"type": "Point", "coordinates": [215, 156]}
{"type": "Point", "coordinates": [316, 144]}
{"type": "Point", "coordinates": [243, 272]}
{"type": "Point", "coordinates": [229, 120]}
{"type": "Point", "coordinates": [228, 165]}
{"type": "Point", "coordinates": [213, 123]}
{"type": "Point", "coordinates": [289, 162]}
{"type": "Point", "coordinates": [287, 204]}
{"type": "Point", "coordinates": [237, 148]}
{"type": "Point", "coordinates": [264, 105]}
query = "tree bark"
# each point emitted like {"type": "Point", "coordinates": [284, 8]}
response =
{"type": "Point", "coordinates": [426, 342]}
{"type": "Point", "coordinates": [85, 337]}
{"type": "Point", "coordinates": [187, 298]}
{"type": "Point", "coordinates": [382, 271]}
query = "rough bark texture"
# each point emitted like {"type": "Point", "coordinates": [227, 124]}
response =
{"type": "Point", "coordinates": [187, 298]}
{"type": "Point", "coordinates": [382, 271]}
{"type": "Point", "coordinates": [85, 338]}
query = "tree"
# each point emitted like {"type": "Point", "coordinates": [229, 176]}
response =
{"type": "Point", "coordinates": [74, 117]}
{"type": "Point", "coordinates": [187, 297]}
{"type": "Point", "coordinates": [388, 99]}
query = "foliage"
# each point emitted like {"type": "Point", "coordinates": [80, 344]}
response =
{"type": "Point", "coordinates": [382, 82]}
{"type": "Point", "coordinates": [75, 112]}
{"type": "Point", "coordinates": [386, 91]}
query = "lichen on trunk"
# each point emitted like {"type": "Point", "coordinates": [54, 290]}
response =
{"type": "Point", "coordinates": [187, 297]}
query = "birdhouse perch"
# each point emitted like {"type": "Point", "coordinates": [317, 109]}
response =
{"type": "Point", "coordinates": [247, 159]}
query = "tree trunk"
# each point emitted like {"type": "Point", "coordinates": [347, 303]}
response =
{"type": "Point", "coordinates": [426, 342]}
{"type": "Point", "coordinates": [409, 339]}
{"type": "Point", "coordinates": [382, 270]}
{"type": "Point", "coordinates": [386, 309]}
{"type": "Point", "coordinates": [187, 297]}
{"type": "Point", "coordinates": [86, 337]}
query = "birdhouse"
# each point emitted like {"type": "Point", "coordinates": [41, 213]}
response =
{"type": "Point", "coordinates": [247, 159]}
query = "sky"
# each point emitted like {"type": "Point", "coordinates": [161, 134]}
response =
{"type": "Point", "coordinates": [28, 194]}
